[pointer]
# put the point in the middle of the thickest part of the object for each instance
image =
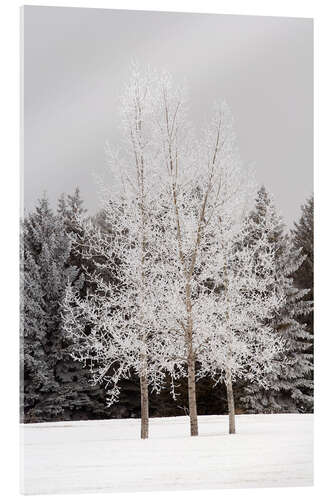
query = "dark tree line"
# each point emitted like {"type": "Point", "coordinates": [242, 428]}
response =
{"type": "Point", "coordinates": [54, 387]}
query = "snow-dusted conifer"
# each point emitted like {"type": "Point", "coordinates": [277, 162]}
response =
{"type": "Point", "coordinates": [71, 212]}
{"type": "Point", "coordinates": [289, 382]}
{"type": "Point", "coordinates": [45, 251]}
{"type": "Point", "coordinates": [302, 238]}
{"type": "Point", "coordinates": [71, 209]}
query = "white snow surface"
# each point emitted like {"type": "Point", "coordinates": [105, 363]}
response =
{"type": "Point", "coordinates": [108, 455]}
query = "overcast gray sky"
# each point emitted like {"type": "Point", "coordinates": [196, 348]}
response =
{"type": "Point", "coordinates": [76, 62]}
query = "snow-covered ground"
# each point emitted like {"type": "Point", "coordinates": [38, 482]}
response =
{"type": "Point", "coordinates": [107, 455]}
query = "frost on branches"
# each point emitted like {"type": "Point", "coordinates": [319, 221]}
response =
{"type": "Point", "coordinates": [290, 384]}
{"type": "Point", "coordinates": [115, 328]}
{"type": "Point", "coordinates": [175, 287]}
{"type": "Point", "coordinates": [205, 188]}
{"type": "Point", "coordinates": [241, 344]}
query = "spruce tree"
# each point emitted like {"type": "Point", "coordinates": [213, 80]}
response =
{"type": "Point", "coordinates": [90, 399]}
{"type": "Point", "coordinates": [46, 248]}
{"type": "Point", "coordinates": [71, 213]}
{"type": "Point", "coordinates": [53, 386]}
{"type": "Point", "coordinates": [35, 373]}
{"type": "Point", "coordinates": [289, 383]}
{"type": "Point", "coordinates": [71, 209]}
{"type": "Point", "coordinates": [302, 237]}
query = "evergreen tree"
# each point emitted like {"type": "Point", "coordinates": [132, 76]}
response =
{"type": "Point", "coordinates": [290, 386]}
{"type": "Point", "coordinates": [302, 236]}
{"type": "Point", "coordinates": [46, 248]}
{"type": "Point", "coordinates": [71, 211]}
{"type": "Point", "coordinates": [34, 368]}
{"type": "Point", "coordinates": [53, 385]}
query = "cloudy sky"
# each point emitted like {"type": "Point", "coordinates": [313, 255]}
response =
{"type": "Point", "coordinates": [76, 62]}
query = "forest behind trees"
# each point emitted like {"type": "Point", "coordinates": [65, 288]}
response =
{"type": "Point", "coordinates": [177, 297]}
{"type": "Point", "coordinates": [54, 387]}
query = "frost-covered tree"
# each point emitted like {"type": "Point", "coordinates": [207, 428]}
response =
{"type": "Point", "coordinates": [289, 383]}
{"type": "Point", "coordinates": [302, 237]}
{"type": "Point", "coordinates": [71, 209]}
{"type": "Point", "coordinates": [176, 189]}
{"type": "Point", "coordinates": [240, 344]}
{"type": "Point", "coordinates": [53, 385]}
{"type": "Point", "coordinates": [71, 212]}
{"type": "Point", "coordinates": [91, 399]}
{"type": "Point", "coordinates": [121, 312]}
{"type": "Point", "coordinates": [45, 272]}
{"type": "Point", "coordinates": [114, 328]}
{"type": "Point", "coordinates": [35, 373]}
{"type": "Point", "coordinates": [204, 185]}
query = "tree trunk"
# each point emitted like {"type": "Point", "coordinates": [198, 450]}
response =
{"type": "Point", "coordinates": [192, 402]}
{"type": "Point", "coordinates": [144, 406]}
{"type": "Point", "coordinates": [231, 406]}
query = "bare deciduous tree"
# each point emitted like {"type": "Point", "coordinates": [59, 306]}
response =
{"type": "Point", "coordinates": [204, 184]}
{"type": "Point", "coordinates": [182, 294]}
{"type": "Point", "coordinates": [121, 312]}
{"type": "Point", "coordinates": [245, 295]}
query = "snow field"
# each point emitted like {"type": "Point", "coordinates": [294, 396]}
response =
{"type": "Point", "coordinates": [108, 455]}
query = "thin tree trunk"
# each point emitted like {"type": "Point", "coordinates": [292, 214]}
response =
{"type": "Point", "coordinates": [231, 405]}
{"type": "Point", "coordinates": [192, 403]}
{"type": "Point", "coordinates": [192, 400]}
{"type": "Point", "coordinates": [144, 406]}
{"type": "Point", "coordinates": [144, 361]}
